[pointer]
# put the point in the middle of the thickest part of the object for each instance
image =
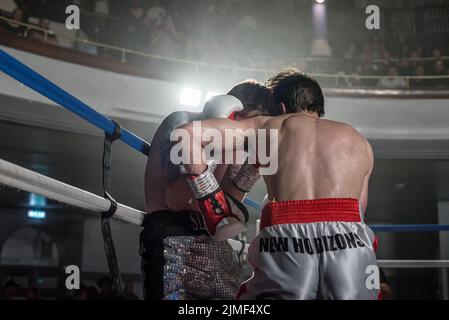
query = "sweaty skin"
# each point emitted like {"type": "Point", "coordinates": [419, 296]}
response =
{"type": "Point", "coordinates": [317, 158]}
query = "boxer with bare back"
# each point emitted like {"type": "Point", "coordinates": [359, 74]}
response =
{"type": "Point", "coordinates": [313, 243]}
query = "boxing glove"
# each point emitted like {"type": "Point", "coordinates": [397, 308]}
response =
{"type": "Point", "coordinates": [223, 215]}
{"type": "Point", "coordinates": [222, 107]}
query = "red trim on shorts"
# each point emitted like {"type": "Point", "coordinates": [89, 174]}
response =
{"type": "Point", "coordinates": [309, 211]}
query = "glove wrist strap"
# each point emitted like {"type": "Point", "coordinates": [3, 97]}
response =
{"type": "Point", "coordinates": [247, 177]}
{"type": "Point", "coordinates": [204, 184]}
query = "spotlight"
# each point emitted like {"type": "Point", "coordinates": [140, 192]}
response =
{"type": "Point", "coordinates": [37, 200]}
{"type": "Point", "coordinates": [190, 97]}
{"type": "Point", "coordinates": [320, 1]}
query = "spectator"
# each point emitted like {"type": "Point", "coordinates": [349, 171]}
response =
{"type": "Point", "coordinates": [350, 53]}
{"type": "Point", "coordinates": [404, 67]}
{"type": "Point", "coordinates": [355, 81]}
{"type": "Point", "coordinates": [436, 53]}
{"type": "Point", "coordinates": [399, 46]}
{"type": "Point", "coordinates": [418, 83]}
{"type": "Point", "coordinates": [134, 31]}
{"type": "Point", "coordinates": [43, 36]}
{"type": "Point", "coordinates": [17, 15]}
{"type": "Point", "coordinates": [439, 70]}
{"type": "Point", "coordinates": [393, 81]}
{"type": "Point", "coordinates": [414, 60]}
{"type": "Point", "coordinates": [405, 50]}
{"type": "Point", "coordinates": [102, 7]}
{"type": "Point", "coordinates": [10, 290]}
{"type": "Point", "coordinates": [164, 39]}
{"type": "Point", "coordinates": [156, 15]}
{"type": "Point", "coordinates": [419, 51]}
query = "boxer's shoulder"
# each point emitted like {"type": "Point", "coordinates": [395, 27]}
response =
{"type": "Point", "coordinates": [179, 118]}
{"type": "Point", "coordinates": [339, 127]}
{"type": "Point", "coordinates": [346, 135]}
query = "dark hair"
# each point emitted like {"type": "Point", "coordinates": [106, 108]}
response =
{"type": "Point", "coordinates": [255, 96]}
{"type": "Point", "coordinates": [297, 91]}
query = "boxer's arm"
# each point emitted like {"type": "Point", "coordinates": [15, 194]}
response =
{"type": "Point", "coordinates": [225, 174]}
{"type": "Point", "coordinates": [364, 193]}
{"type": "Point", "coordinates": [198, 129]}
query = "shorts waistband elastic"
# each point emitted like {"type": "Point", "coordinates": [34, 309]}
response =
{"type": "Point", "coordinates": [309, 211]}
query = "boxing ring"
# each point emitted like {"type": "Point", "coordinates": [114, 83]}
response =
{"type": "Point", "coordinates": [27, 180]}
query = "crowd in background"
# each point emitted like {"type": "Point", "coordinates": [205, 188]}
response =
{"type": "Point", "coordinates": [402, 58]}
{"type": "Point", "coordinates": [236, 33]}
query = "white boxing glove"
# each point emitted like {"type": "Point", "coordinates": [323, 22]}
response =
{"type": "Point", "coordinates": [222, 106]}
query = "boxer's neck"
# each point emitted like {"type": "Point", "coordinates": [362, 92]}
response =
{"type": "Point", "coordinates": [313, 115]}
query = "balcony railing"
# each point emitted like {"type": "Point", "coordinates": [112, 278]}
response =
{"type": "Point", "coordinates": [339, 80]}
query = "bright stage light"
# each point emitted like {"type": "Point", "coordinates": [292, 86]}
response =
{"type": "Point", "coordinates": [320, 1]}
{"type": "Point", "coordinates": [190, 97]}
{"type": "Point", "coordinates": [37, 201]}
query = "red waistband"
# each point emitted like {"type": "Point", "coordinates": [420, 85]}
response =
{"type": "Point", "coordinates": [308, 211]}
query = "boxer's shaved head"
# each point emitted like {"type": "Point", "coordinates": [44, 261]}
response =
{"type": "Point", "coordinates": [256, 97]}
{"type": "Point", "coordinates": [297, 91]}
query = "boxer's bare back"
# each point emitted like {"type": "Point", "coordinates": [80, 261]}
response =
{"type": "Point", "coordinates": [317, 158]}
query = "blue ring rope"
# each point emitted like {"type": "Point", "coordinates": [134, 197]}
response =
{"type": "Point", "coordinates": [45, 87]}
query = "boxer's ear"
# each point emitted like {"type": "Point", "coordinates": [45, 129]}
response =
{"type": "Point", "coordinates": [282, 108]}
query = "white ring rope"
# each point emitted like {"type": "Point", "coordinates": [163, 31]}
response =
{"type": "Point", "coordinates": [413, 264]}
{"type": "Point", "coordinates": [27, 180]}
{"type": "Point", "coordinates": [21, 178]}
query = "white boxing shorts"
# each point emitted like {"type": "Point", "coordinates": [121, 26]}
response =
{"type": "Point", "coordinates": [313, 249]}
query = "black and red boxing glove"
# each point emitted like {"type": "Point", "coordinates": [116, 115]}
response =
{"type": "Point", "coordinates": [224, 216]}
